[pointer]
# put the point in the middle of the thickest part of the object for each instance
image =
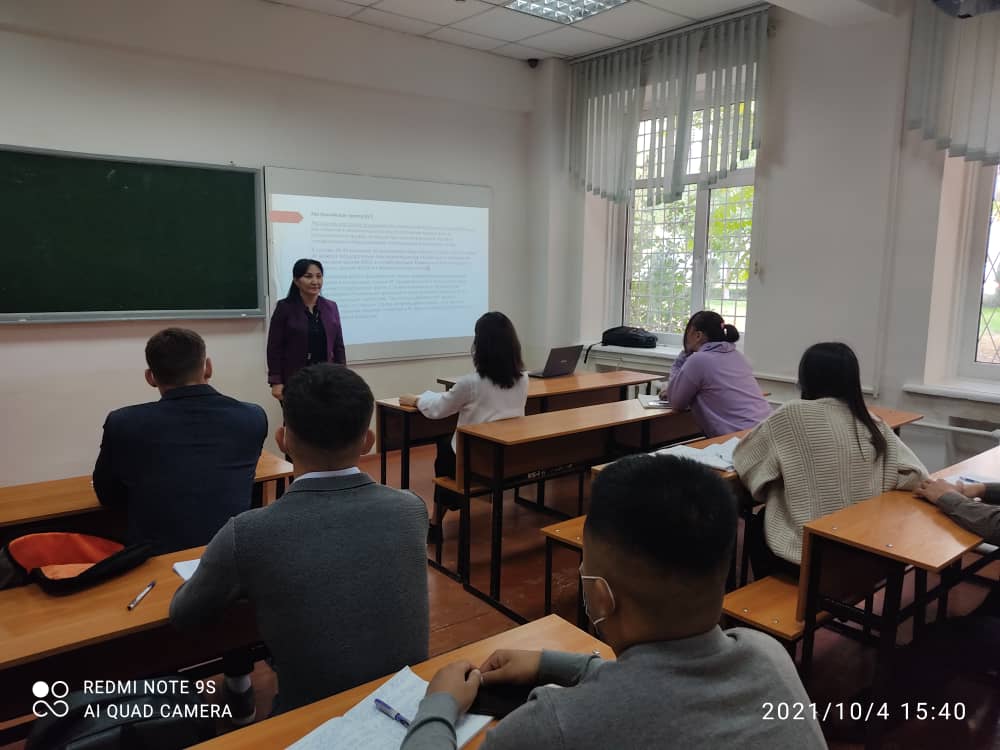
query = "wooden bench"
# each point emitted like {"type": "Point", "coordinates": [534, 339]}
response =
{"type": "Point", "coordinates": [769, 604]}
{"type": "Point", "coordinates": [568, 534]}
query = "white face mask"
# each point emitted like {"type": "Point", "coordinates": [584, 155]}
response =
{"type": "Point", "coordinates": [586, 605]}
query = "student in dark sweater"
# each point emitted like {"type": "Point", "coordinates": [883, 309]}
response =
{"type": "Point", "coordinates": [973, 506]}
{"type": "Point", "coordinates": [657, 544]}
{"type": "Point", "coordinates": [336, 567]}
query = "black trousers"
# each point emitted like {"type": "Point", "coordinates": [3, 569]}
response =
{"type": "Point", "coordinates": [237, 662]}
{"type": "Point", "coordinates": [444, 466]}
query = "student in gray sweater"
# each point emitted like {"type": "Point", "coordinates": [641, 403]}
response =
{"type": "Point", "coordinates": [335, 568]}
{"type": "Point", "coordinates": [657, 544]}
{"type": "Point", "coordinates": [973, 506]}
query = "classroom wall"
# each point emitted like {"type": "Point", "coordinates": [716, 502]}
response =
{"type": "Point", "coordinates": [253, 84]}
{"type": "Point", "coordinates": [846, 218]}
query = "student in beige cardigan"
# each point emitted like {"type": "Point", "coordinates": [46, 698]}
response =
{"type": "Point", "coordinates": [818, 454]}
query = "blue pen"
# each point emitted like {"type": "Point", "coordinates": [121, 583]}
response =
{"type": "Point", "coordinates": [391, 712]}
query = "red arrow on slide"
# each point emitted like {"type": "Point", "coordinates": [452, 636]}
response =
{"type": "Point", "coordinates": [285, 217]}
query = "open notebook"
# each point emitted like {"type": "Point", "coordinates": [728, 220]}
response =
{"type": "Point", "coordinates": [365, 727]}
{"type": "Point", "coordinates": [718, 456]}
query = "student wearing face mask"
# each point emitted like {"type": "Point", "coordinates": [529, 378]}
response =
{"type": "Point", "coordinates": [657, 545]}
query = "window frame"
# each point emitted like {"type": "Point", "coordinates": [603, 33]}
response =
{"type": "Point", "coordinates": [974, 248]}
{"type": "Point", "coordinates": [745, 177]}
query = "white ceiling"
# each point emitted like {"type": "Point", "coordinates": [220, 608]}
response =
{"type": "Point", "coordinates": [487, 25]}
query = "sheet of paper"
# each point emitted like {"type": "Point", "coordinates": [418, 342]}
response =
{"type": "Point", "coordinates": [969, 479]}
{"type": "Point", "coordinates": [186, 568]}
{"type": "Point", "coordinates": [364, 726]}
{"type": "Point", "coordinates": [718, 456]}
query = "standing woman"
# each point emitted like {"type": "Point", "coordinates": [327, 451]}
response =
{"type": "Point", "coordinates": [305, 328]}
{"type": "Point", "coordinates": [714, 379]}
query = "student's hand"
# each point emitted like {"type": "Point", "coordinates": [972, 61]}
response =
{"type": "Point", "coordinates": [512, 667]}
{"type": "Point", "coordinates": [932, 489]}
{"type": "Point", "coordinates": [408, 399]}
{"type": "Point", "coordinates": [460, 680]}
{"type": "Point", "coordinates": [972, 489]}
{"type": "Point", "coordinates": [663, 395]}
{"type": "Point", "coordinates": [278, 391]}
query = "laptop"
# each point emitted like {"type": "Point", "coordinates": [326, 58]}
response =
{"type": "Point", "coordinates": [562, 361]}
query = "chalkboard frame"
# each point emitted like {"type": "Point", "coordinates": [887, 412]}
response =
{"type": "Point", "coordinates": [188, 314]}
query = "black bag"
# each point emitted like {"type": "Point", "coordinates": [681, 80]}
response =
{"type": "Point", "coordinates": [625, 336]}
{"type": "Point", "coordinates": [66, 562]}
{"type": "Point", "coordinates": [628, 336]}
{"type": "Point", "coordinates": [143, 719]}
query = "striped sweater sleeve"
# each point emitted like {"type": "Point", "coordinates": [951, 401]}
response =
{"type": "Point", "coordinates": [756, 460]}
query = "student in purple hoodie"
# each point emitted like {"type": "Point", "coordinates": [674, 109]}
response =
{"type": "Point", "coordinates": [714, 379]}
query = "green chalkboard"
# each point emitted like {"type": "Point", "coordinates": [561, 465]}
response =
{"type": "Point", "coordinates": [85, 236]}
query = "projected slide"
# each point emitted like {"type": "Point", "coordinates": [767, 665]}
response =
{"type": "Point", "coordinates": [398, 271]}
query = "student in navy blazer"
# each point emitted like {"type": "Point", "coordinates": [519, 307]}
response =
{"type": "Point", "coordinates": [305, 328]}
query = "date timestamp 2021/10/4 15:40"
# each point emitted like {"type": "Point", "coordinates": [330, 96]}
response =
{"type": "Point", "coordinates": [859, 711]}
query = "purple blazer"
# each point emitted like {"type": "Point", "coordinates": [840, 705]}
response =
{"type": "Point", "coordinates": [288, 338]}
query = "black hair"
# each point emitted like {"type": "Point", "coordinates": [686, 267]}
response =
{"type": "Point", "coordinates": [299, 270]}
{"type": "Point", "coordinates": [175, 356]}
{"type": "Point", "coordinates": [672, 512]}
{"type": "Point", "coordinates": [713, 326]}
{"type": "Point", "coordinates": [496, 350]}
{"type": "Point", "coordinates": [830, 370]}
{"type": "Point", "coordinates": [327, 406]}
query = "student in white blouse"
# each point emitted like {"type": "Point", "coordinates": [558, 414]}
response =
{"type": "Point", "coordinates": [498, 389]}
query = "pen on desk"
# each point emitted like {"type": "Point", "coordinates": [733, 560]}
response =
{"type": "Point", "coordinates": [391, 712]}
{"type": "Point", "coordinates": [141, 595]}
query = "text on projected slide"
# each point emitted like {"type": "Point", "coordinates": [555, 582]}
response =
{"type": "Point", "coordinates": [397, 271]}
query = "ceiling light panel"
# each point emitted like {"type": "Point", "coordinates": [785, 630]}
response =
{"type": "Point", "coordinates": [564, 11]}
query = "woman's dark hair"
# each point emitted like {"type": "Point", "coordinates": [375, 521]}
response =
{"type": "Point", "coordinates": [713, 326]}
{"type": "Point", "coordinates": [830, 370]}
{"type": "Point", "coordinates": [300, 269]}
{"type": "Point", "coordinates": [496, 350]}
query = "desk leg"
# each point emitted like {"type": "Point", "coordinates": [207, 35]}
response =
{"type": "Point", "coordinates": [496, 523]}
{"type": "Point", "coordinates": [812, 605]}
{"type": "Point", "coordinates": [581, 611]}
{"type": "Point", "coordinates": [623, 393]}
{"type": "Point", "coordinates": [920, 600]}
{"type": "Point", "coordinates": [464, 517]}
{"type": "Point", "coordinates": [948, 578]}
{"type": "Point", "coordinates": [548, 576]}
{"type": "Point", "coordinates": [380, 432]}
{"type": "Point", "coordinates": [404, 454]}
{"type": "Point", "coordinates": [888, 627]}
{"type": "Point", "coordinates": [270, 492]}
{"type": "Point", "coordinates": [649, 388]}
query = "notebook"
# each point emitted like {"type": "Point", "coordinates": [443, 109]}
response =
{"type": "Point", "coordinates": [653, 401]}
{"type": "Point", "coordinates": [186, 568]}
{"type": "Point", "coordinates": [718, 456]}
{"type": "Point", "coordinates": [366, 727]}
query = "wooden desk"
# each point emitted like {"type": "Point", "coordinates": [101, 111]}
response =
{"type": "Point", "coordinates": [23, 507]}
{"type": "Point", "coordinates": [512, 452]}
{"type": "Point", "coordinates": [548, 633]}
{"type": "Point", "coordinates": [402, 427]}
{"type": "Point", "coordinates": [851, 551]}
{"type": "Point", "coordinates": [91, 635]}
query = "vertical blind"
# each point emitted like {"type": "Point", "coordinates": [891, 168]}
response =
{"type": "Point", "coordinates": [718, 69]}
{"type": "Point", "coordinates": [953, 85]}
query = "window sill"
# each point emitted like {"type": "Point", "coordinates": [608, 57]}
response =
{"type": "Point", "coordinates": [659, 352]}
{"type": "Point", "coordinates": [985, 391]}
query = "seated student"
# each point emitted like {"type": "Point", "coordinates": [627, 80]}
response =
{"type": "Point", "coordinates": [714, 379]}
{"type": "Point", "coordinates": [656, 552]}
{"type": "Point", "coordinates": [973, 506]}
{"type": "Point", "coordinates": [183, 465]}
{"type": "Point", "coordinates": [336, 567]}
{"type": "Point", "coordinates": [817, 455]}
{"type": "Point", "coordinates": [498, 389]}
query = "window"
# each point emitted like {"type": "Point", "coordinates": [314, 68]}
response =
{"type": "Point", "coordinates": [692, 254]}
{"type": "Point", "coordinates": [988, 329]}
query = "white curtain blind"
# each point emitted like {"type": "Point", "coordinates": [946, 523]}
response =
{"type": "Point", "coordinates": [953, 86]}
{"type": "Point", "coordinates": [715, 70]}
